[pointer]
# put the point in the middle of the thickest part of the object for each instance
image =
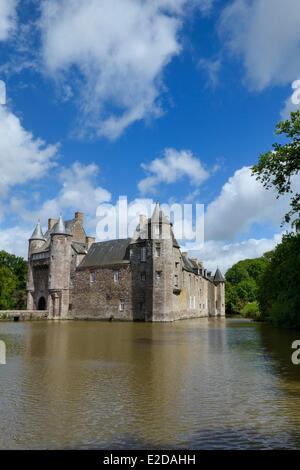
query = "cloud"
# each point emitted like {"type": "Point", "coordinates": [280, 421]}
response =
{"type": "Point", "coordinates": [174, 165]}
{"type": "Point", "coordinates": [7, 18]}
{"type": "Point", "coordinates": [212, 68]}
{"type": "Point", "coordinates": [242, 202]}
{"type": "Point", "coordinates": [15, 239]}
{"type": "Point", "coordinates": [266, 35]}
{"type": "Point", "coordinates": [292, 104]}
{"type": "Point", "coordinates": [77, 191]}
{"type": "Point", "coordinates": [22, 157]}
{"type": "Point", "coordinates": [219, 254]}
{"type": "Point", "coordinates": [120, 49]}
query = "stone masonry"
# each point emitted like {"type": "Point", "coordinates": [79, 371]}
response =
{"type": "Point", "coordinates": [145, 278]}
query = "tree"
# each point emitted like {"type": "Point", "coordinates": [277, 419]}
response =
{"type": "Point", "coordinates": [8, 285]}
{"type": "Point", "coordinates": [242, 283]}
{"type": "Point", "coordinates": [277, 167]}
{"type": "Point", "coordinates": [15, 268]}
{"type": "Point", "coordinates": [279, 293]}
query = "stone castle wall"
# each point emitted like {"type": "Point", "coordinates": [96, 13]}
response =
{"type": "Point", "coordinates": [96, 295]}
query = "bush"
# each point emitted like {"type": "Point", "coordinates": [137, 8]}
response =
{"type": "Point", "coordinates": [251, 310]}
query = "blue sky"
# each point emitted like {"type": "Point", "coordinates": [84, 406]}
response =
{"type": "Point", "coordinates": [163, 99]}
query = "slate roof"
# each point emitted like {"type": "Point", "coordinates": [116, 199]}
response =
{"type": "Point", "coordinates": [187, 263]}
{"type": "Point", "coordinates": [107, 253]}
{"type": "Point", "coordinates": [218, 276]}
{"type": "Point", "coordinates": [37, 233]}
{"type": "Point", "coordinates": [60, 227]}
{"type": "Point", "coordinates": [80, 248]}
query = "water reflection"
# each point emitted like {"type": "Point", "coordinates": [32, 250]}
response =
{"type": "Point", "coordinates": [196, 384]}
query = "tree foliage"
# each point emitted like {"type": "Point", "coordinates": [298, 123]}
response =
{"type": "Point", "coordinates": [13, 271]}
{"type": "Point", "coordinates": [277, 167]}
{"type": "Point", "coordinates": [279, 292]}
{"type": "Point", "coordinates": [242, 283]}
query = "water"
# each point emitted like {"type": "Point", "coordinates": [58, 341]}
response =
{"type": "Point", "coordinates": [205, 384]}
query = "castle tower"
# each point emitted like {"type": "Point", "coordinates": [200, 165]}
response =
{"type": "Point", "coordinates": [59, 273]}
{"type": "Point", "coordinates": [35, 243]}
{"type": "Point", "coordinates": [162, 266]}
{"type": "Point", "coordinates": [219, 282]}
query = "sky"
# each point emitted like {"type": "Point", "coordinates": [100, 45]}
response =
{"type": "Point", "coordinates": [169, 100]}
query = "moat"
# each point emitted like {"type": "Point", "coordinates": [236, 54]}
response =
{"type": "Point", "coordinates": [204, 384]}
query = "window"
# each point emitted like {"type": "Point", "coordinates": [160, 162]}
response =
{"type": "Point", "coordinates": [92, 277]}
{"type": "Point", "coordinates": [158, 275]}
{"type": "Point", "coordinates": [157, 250]}
{"type": "Point", "coordinates": [121, 306]}
{"type": "Point", "coordinates": [143, 254]}
{"type": "Point", "coordinates": [157, 230]}
{"type": "Point", "coordinates": [143, 276]}
{"type": "Point", "coordinates": [176, 264]}
{"type": "Point", "coordinates": [116, 277]}
{"type": "Point", "coordinates": [176, 280]}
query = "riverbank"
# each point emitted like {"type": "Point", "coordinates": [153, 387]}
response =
{"type": "Point", "coordinates": [23, 315]}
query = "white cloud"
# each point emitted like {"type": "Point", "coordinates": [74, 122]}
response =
{"type": "Point", "coordinates": [242, 202]}
{"type": "Point", "coordinates": [174, 165]}
{"type": "Point", "coordinates": [266, 35]}
{"type": "Point", "coordinates": [77, 191]}
{"type": "Point", "coordinates": [2, 92]}
{"type": "Point", "coordinates": [7, 18]}
{"type": "Point", "coordinates": [120, 48]}
{"type": "Point", "coordinates": [219, 254]}
{"type": "Point", "coordinates": [22, 157]}
{"type": "Point", "coordinates": [293, 102]}
{"type": "Point", "coordinates": [15, 239]}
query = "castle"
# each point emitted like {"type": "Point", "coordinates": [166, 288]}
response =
{"type": "Point", "coordinates": [144, 278]}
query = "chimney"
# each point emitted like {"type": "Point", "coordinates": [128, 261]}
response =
{"type": "Point", "coordinates": [143, 220]}
{"type": "Point", "coordinates": [51, 223]}
{"type": "Point", "coordinates": [79, 216]}
{"type": "Point", "coordinates": [89, 241]}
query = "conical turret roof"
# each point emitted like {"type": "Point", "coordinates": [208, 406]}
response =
{"type": "Point", "coordinates": [158, 215]}
{"type": "Point", "coordinates": [37, 233]}
{"type": "Point", "coordinates": [59, 228]}
{"type": "Point", "coordinates": [218, 277]}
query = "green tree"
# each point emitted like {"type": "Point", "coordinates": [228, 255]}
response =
{"type": "Point", "coordinates": [8, 285]}
{"type": "Point", "coordinates": [242, 283]}
{"type": "Point", "coordinates": [279, 292]}
{"type": "Point", "coordinates": [277, 167]}
{"type": "Point", "coordinates": [15, 268]}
